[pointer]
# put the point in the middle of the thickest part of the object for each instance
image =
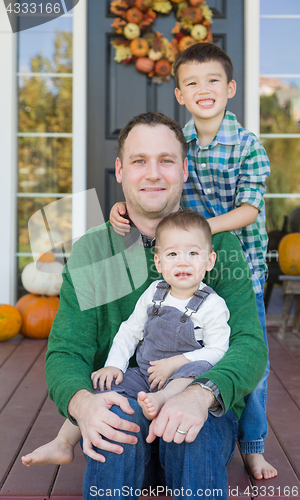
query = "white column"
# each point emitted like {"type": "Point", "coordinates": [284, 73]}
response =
{"type": "Point", "coordinates": [79, 115]}
{"type": "Point", "coordinates": [252, 39]}
{"type": "Point", "coordinates": [8, 160]}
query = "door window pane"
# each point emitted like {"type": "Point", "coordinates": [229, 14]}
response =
{"type": "Point", "coordinates": [279, 50]}
{"type": "Point", "coordinates": [284, 155]}
{"type": "Point", "coordinates": [45, 165]}
{"type": "Point", "coordinates": [45, 104]}
{"type": "Point", "coordinates": [278, 7]}
{"type": "Point", "coordinates": [47, 48]}
{"type": "Point", "coordinates": [280, 105]}
{"type": "Point", "coordinates": [60, 226]}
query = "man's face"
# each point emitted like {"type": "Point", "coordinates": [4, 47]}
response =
{"type": "Point", "coordinates": [152, 171]}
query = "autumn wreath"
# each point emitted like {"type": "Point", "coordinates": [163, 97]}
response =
{"type": "Point", "coordinates": [152, 53]}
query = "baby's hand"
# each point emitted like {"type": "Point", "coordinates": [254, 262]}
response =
{"type": "Point", "coordinates": [118, 222]}
{"type": "Point", "coordinates": [106, 375]}
{"type": "Point", "coordinates": [162, 369]}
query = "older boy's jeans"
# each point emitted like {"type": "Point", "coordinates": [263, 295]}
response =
{"type": "Point", "coordinates": [253, 426]}
{"type": "Point", "coordinates": [192, 469]}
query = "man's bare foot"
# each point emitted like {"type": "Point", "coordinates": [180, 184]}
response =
{"type": "Point", "coordinates": [259, 467]}
{"type": "Point", "coordinates": [56, 452]}
{"type": "Point", "coordinates": [151, 403]}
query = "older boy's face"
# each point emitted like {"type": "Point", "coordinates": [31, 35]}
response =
{"type": "Point", "coordinates": [152, 171]}
{"type": "Point", "coordinates": [204, 89]}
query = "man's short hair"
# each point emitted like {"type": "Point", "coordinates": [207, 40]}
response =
{"type": "Point", "coordinates": [186, 220]}
{"type": "Point", "coordinates": [201, 53]}
{"type": "Point", "coordinates": [152, 118]}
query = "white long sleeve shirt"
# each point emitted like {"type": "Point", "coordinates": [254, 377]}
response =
{"type": "Point", "coordinates": [210, 326]}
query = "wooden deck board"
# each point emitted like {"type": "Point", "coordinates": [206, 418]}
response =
{"type": "Point", "coordinates": [28, 419]}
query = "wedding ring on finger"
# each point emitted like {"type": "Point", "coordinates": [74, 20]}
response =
{"type": "Point", "coordinates": [181, 432]}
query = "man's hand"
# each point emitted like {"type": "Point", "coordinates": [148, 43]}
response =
{"type": "Point", "coordinates": [187, 411]}
{"type": "Point", "coordinates": [162, 369]}
{"type": "Point", "coordinates": [106, 376]}
{"type": "Point", "coordinates": [94, 418]}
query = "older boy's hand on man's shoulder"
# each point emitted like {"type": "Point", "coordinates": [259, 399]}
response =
{"type": "Point", "coordinates": [182, 416]}
{"type": "Point", "coordinates": [94, 418]}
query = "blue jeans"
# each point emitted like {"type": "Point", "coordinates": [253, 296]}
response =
{"type": "Point", "coordinates": [187, 467]}
{"type": "Point", "coordinates": [253, 426]}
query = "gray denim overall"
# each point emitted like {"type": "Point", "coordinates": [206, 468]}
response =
{"type": "Point", "coordinates": [167, 332]}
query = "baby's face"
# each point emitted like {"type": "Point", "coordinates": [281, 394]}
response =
{"type": "Point", "coordinates": [183, 258]}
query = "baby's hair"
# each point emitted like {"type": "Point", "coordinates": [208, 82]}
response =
{"type": "Point", "coordinates": [152, 118]}
{"type": "Point", "coordinates": [201, 53]}
{"type": "Point", "coordinates": [186, 220]}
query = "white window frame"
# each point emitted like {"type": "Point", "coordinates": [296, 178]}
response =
{"type": "Point", "coordinates": [8, 140]}
{"type": "Point", "coordinates": [8, 149]}
{"type": "Point", "coordinates": [252, 47]}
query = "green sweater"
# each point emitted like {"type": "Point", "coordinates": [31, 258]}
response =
{"type": "Point", "coordinates": [101, 285]}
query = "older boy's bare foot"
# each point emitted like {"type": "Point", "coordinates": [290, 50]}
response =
{"type": "Point", "coordinates": [259, 467]}
{"type": "Point", "coordinates": [151, 403]}
{"type": "Point", "coordinates": [56, 452]}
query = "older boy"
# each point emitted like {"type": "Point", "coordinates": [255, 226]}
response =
{"type": "Point", "coordinates": [227, 171]}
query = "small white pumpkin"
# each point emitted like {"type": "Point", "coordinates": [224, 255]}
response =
{"type": "Point", "coordinates": [43, 278]}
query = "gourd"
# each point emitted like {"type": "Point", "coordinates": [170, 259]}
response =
{"type": "Point", "coordinates": [185, 42]}
{"type": "Point", "coordinates": [47, 279]}
{"type": "Point", "coordinates": [37, 315]}
{"type": "Point", "coordinates": [134, 15]}
{"type": "Point", "coordinates": [162, 67]}
{"type": "Point", "coordinates": [139, 47]}
{"type": "Point", "coordinates": [289, 254]}
{"type": "Point", "coordinates": [10, 322]}
{"type": "Point", "coordinates": [144, 64]}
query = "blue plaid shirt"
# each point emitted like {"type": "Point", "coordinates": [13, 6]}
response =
{"type": "Point", "coordinates": [229, 171]}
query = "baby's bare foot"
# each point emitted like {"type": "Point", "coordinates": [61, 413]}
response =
{"type": "Point", "coordinates": [56, 452]}
{"type": "Point", "coordinates": [259, 467]}
{"type": "Point", "coordinates": [151, 403]}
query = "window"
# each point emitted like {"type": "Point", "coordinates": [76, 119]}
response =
{"type": "Point", "coordinates": [280, 107]}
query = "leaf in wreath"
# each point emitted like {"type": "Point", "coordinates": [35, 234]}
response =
{"type": "Point", "coordinates": [148, 19]}
{"type": "Point", "coordinates": [119, 7]}
{"type": "Point", "coordinates": [191, 15]}
{"type": "Point", "coordinates": [143, 4]}
{"type": "Point", "coordinates": [118, 25]}
{"type": "Point", "coordinates": [122, 53]}
{"type": "Point", "coordinates": [162, 6]}
{"type": "Point", "coordinates": [207, 12]}
{"type": "Point", "coordinates": [171, 50]}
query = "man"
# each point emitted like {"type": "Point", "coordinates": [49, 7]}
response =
{"type": "Point", "coordinates": [101, 285]}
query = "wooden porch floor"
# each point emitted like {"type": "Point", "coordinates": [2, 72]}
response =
{"type": "Point", "coordinates": [28, 419]}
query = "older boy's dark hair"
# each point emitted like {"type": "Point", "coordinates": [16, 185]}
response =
{"type": "Point", "coordinates": [152, 118]}
{"type": "Point", "coordinates": [184, 219]}
{"type": "Point", "coordinates": [203, 52]}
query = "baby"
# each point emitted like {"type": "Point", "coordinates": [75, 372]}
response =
{"type": "Point", "coordinates": [178, 329]}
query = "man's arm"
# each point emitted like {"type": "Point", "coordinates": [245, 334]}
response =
{"type": "Point", "coordinates": [73, 346]}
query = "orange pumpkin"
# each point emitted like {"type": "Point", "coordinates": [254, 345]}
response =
{"type": "Point", "coordinates": [144, 64]}
{"type": "Point", "coordinates": [289, 254]}
{"type": "Point", "coordinates": [37, 313]}
{"type": "Point", "coordinates": [139, 47]}
{"type": "Point", "coordinates": [196, 3]}
{"type": "Point", "coordinates": [134, 15]}
{"type": "Point", "coordinates": [163, 67]}
{"type": "Point", "coordinates": [185, 42]}
{"type": "Point", "coordinates": [10, 322]}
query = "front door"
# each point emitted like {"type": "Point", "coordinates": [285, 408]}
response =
{"type": "Point", "coordinates": [117, 92]}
